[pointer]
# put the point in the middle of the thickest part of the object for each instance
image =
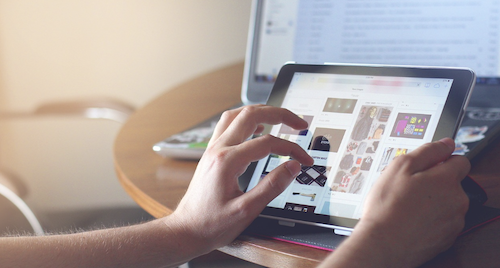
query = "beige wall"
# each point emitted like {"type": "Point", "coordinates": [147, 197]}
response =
{"type": "Point", "coordinates": [70, 49]}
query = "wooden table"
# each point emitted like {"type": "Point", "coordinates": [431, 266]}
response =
{"type": "Point", "coordinates": [157, 184]}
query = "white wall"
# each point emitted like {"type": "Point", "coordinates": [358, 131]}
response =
{"type": "Point", "coordinates": [70, 49]}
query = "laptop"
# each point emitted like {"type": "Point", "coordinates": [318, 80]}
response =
{"type": "Point", "coordinates": [397, 32]}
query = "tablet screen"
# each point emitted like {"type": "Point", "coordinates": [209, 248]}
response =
{"type": "Point", "coordinates": [358, 123]}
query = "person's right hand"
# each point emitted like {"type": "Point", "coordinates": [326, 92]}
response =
{"type": "Point", "coordinates": [214, 210]}
{"type": "Point", "coordinates": [415, 210]}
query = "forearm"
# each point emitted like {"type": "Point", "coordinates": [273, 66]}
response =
{"type": "Point", "coordinates": [153, 244]}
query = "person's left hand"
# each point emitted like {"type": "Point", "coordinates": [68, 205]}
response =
{"type": "Point", "coordinates": [414, 211]}
{"type": "Point", "coordinates": [214, 207]}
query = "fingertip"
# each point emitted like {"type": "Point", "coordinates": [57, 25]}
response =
{"type": "Point", "coordinates": [305, 123]}
{"type": "Point", "coordinates": [305, 159]}
{"type": "Point", "coordinates": [293, 167]}
{"type": "Point", "coordinates": [450, 143]}
{"type": "Point", "coordinates": [310, 161]}
{"type": "Point", "coordinates": [297, 121]}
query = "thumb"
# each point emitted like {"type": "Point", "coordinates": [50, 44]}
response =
{"type": "Point", "coordinates": [273, 184]}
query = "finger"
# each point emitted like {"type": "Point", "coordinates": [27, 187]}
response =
{"type": "Point", "coordinates": [258, 148]}
{"type": "Point", "coordinates": [225, 120]}
{"type": "Point", "coordinates": [250, 117]}
{"type": "Point", "coordinates": [261, 147]}
{"type": "Point", "coordinates": [456, 167]}
{"type": "Point", "coordinates": [272, 185]}
{"type": "Point", "coordinates": [429, 155]}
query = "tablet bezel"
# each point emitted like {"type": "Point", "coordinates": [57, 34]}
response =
{"type": "Point", "coordinates": [453, 111]}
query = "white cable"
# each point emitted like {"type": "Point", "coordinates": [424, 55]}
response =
{"type": "Point", "coordinates": [21, 205]}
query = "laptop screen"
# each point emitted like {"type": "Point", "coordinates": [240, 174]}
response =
{"type": "Point", "coordinates": [402, 32]}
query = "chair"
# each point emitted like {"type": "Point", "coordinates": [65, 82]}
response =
{"type": "Point", "coordinates": [17, 216]}
{"type": "Point", "coordinates": [93, 108]}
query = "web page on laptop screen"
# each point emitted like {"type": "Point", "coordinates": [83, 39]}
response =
{"type": "Point", "coordinates": [407, 32]}
{"type": "Point", "coordinates": [357, 126]}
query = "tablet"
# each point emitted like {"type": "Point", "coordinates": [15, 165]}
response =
{"type": "Point", "coordinates": [360, 118]}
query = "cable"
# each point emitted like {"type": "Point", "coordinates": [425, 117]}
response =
{"type": "Point", "coordinates": [21, 205]}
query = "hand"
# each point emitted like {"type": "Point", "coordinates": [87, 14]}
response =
{"type": "Point", "coordinates": [214, 209]}
{"type": "Point", "coordinates": [414, 211]}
